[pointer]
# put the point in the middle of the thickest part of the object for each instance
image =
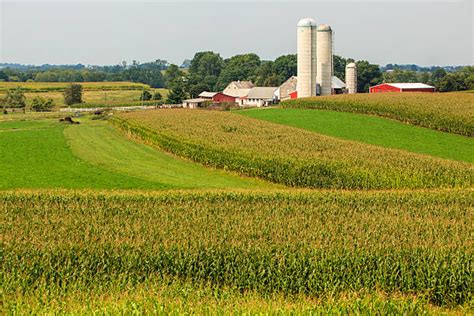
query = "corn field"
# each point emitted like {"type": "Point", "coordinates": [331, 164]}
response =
{"type": "Point", "coordinates": [321, 245]}
{"type": "Point", "coordinates": [287, 155]}
{"type": "Point", "coordinates": [448, 112]}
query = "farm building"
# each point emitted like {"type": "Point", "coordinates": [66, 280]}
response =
{"type": "Point", "coordinates": [217, 97]}
{"type": "Point", "coordinates": [194, 103]}
{"type": "Point", "coordinates": [288, 90]}
{"type": "Point", "coordinates": [260, 96]}
{"type": "Point", "coordinates": [283, 91]}
{"type": "Point", "coordinates": [402, 87]}
{"type": "Point", "coordinates": [238, 89]}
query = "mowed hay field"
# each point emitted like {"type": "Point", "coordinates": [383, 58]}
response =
{"type": "Point", "coordinates": [448, 112]}
{"type": "Point", "coordinates": [372, 130]}
{"type": "Point", "coordinates": [100, 93]}
{"type": "Point", "coordinates": [340, 252]}
{"type": "Point", "coordinates": [43, 154]}
{"type": "Point", "coordinates": [287, 155]}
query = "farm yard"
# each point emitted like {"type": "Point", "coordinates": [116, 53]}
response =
{"type": "Point", "coordinates": [293, 209]}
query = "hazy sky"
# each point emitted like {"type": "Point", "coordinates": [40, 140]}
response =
{"type": "Point", "coordinates": [424, 32]}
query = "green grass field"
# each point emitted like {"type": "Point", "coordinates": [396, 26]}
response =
{"type": "Point", "coordinates": [47, 154]}
{"type": "Point", "coordinates": [372, 130]}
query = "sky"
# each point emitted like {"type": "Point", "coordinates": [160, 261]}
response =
{"type": "Point", "coordinates": [423, 32]}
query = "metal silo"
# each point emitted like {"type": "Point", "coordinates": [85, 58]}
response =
{"type": "Point", "coordinates": [324, 57]}
{"type": "Point", "coordinates": [306, 85]}
{"type": "Point", "coordinates": [351, 78]}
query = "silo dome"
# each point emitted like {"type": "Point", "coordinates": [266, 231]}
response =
{"type": "Point", "coordinates": [306, 22]}
{"type": "Point", "coordinates": [351, 65]}
{"type": "Point", "coordinates": [324, 28]}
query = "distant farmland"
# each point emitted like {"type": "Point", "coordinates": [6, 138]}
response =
{"type": "Point", "coordinates": [93, 92]}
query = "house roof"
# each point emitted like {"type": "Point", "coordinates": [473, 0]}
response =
{"type": "Point", "coordinates": [337, 83]}
{"type": "Point", "coordinates": [237, 93]}
{"type": "Point", "coordinates": [198, 100]}
{"type": "Point", "coordinates": [262, 93]}
{"type": "Point", "coordinates": [409, 85]}
{"type": "Point", "coordinates": [206, 94]}
{"type": "Point", "coordinates": [243, 84]}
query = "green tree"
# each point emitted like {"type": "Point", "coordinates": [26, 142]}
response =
{"type": "Point", "coordinates": [177, 93]}
{"type": "Point", "coordinates": [172, 74]}
{"type": "Point", "coordinates": [264, 71]}
{"type": "Point", "coordinates": [205, 69]}
{"type": "Point", "coordinates": [286, 66]}
{"type": "Point", "coordinates": [239, 67]}
{"type": "Point", "coordinates": [367, 75]}
{"type": "Point", "coordinates": [40, 104]}
{"type": "Point", "coordinates": [157, 96]}
{"type": "Point", "coordinates": [452, 82]}
{"type": "Point", "coordinates": [146, 95]}
{"type": "Point", "coordinates": [196, 89]}
{"type": "Point", "coordinates": [15, 98]}
{"type": "Point", "coordinates": [73, 94]}
{"type": "Point", "coordinates": [339, 64]}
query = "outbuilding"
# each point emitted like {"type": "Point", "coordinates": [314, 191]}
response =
{"type": "Point", "coordinates": [260, 96]}
{"type": "Point", "coordinates": [402, 87]}
{"type": "Point", "coordinates": [194, 103]}
{"type": "Point", "coordinates": [217, 97]}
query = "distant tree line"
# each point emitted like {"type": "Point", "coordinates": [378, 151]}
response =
{"type": "Point", "coordinates": [208, 71]}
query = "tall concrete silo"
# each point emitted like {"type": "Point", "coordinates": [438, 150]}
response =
{"type": "Point", "coordinates": [324, 57]}
{"type": "Point", "coordinates": [306, 85]}
{"type": "Point", "coordinates": [351, 78]}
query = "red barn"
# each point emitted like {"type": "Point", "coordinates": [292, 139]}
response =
{"type": "Point", "coordinates": [402, 87]}
{"type": "Point", "coordinates": [217, 97]}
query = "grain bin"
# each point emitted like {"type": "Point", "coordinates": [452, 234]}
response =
{"type": "Point", "coordinates": [351, 78]}
{"type": "Point", "coordinates": [306, 85]}
{"type": "Point", "coordinates": [324, 58]}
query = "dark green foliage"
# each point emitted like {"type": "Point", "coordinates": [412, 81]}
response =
{"type": "Point", "coordinates": [40, 104]}
{"type": "Point", "coordinates": [367, 75]}
{"type": "Point", "coordinates": [340, 67]}
{"type": "Point", "coordinates": [73, 94]}
{"type": "Point", "coordinates": [172, 74]}
{"type": "Point", "coordinates": [157, 96]}
{"type": "Point", "coordinates": [239, 67]}
{"type": "Point", "coordinates": [285, 66]}
{"type": "Point", "coordinates": [15, 98]}
{"type": "Point", "coordinates": [146, 96]}
{"type": "Point", "coordinates": [205, 69]}
{"type": "Point", "coordinates": [177, 93]}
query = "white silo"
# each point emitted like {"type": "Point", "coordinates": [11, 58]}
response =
{"type": "Point", "coordinates": [306, 85]}
{"type": "Point", "coordinates": [351, 78]}
{"type": "Point", "coordinates": [324, 57]}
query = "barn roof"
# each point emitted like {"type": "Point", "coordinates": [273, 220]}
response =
{"type": "Point", "coordinates": [206, 94]}
{"type": "Point", "coordinates": [237, 93]}
{"type": "Point", "coordinates": [262, 93]}
{"type": "Point", "coordinates": [409, 85]}
{"type": "Point", "coordinates": [243, 84]}
{"type": "Point", "coordinates": [337, 83]}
